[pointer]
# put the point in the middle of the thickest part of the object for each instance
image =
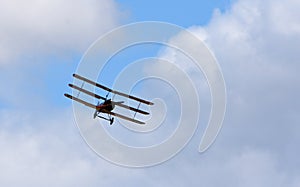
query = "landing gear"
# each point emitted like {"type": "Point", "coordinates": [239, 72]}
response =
{"type": "Point", "coordinates": [96, 114]}
{"type": "Point", "coordinates": [111, 121]}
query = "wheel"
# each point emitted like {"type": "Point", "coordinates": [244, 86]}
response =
{"type": "Point", "coordinates": [111, 121]}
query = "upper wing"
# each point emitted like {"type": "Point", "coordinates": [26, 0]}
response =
{"type": "Point", "coordinates": [125, 117]}
{"type": "Point", "coordinates": [112, 91]}
{"type": "Point", "coordinates": [80, 101]}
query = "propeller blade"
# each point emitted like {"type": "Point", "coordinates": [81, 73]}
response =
{"type": "Point", "coordinates": [117, 102]}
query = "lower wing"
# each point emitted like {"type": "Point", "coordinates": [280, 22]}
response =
{"type": "Point", "coordinates": [125, 117]}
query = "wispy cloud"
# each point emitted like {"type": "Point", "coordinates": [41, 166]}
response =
{"type": "Point", "coordinates": [258, 56]}
{"type": "Point", "coordinates": [256, 44]}
{"type": "Point", "coordinates": [34, 28]}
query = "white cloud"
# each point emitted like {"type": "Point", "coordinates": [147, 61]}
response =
{"type": "Point", "coordinates": [259, 61]}
{"type": "Point", "coordinates": [34, 33]}
{"type": "Point", "coordinates": [40, 155]}
{"type": "Point", "coordinates": [34, 28]}
{"type": "Point", "coordinates": [256, 44]}
{"type": "Point", "coordinates": [283, 21]}
{"type": "Point", "coordinates": [40, 145]}
{"type": "Point", "coordinates": [48, 151]}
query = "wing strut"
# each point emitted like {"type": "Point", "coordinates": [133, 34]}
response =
{"type": "Point", "coordinates": [137, 109]}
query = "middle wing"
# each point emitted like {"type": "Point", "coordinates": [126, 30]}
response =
{"type": "Point", "coordinates": [80, 101]}
{"type": "Point", "coordinates": [87, 92]}
{"type": "Point", "coordinates": [103, 98]}
{"type": "Point", "coordinates": [133, 109]}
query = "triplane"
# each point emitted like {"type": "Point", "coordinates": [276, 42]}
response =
{"type": "Point", "coordinates": [108, 105]}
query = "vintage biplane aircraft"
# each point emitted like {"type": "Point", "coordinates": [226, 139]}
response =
{"type": "Point", "coordinates": [107, 105]}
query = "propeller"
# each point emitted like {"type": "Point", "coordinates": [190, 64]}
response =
{"type": "Point", "coordinates": [117, 102]}
{"type": "Point", "coordinates": [113, 103]}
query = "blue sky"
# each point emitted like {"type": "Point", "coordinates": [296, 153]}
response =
{"type": "Point", "coordinates": [254, 42]}
{"type": "Point", "coordinates": [183, 13]}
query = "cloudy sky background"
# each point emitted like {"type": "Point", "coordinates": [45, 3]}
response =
{"type": "Point", "coordinates": [256, 44]}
